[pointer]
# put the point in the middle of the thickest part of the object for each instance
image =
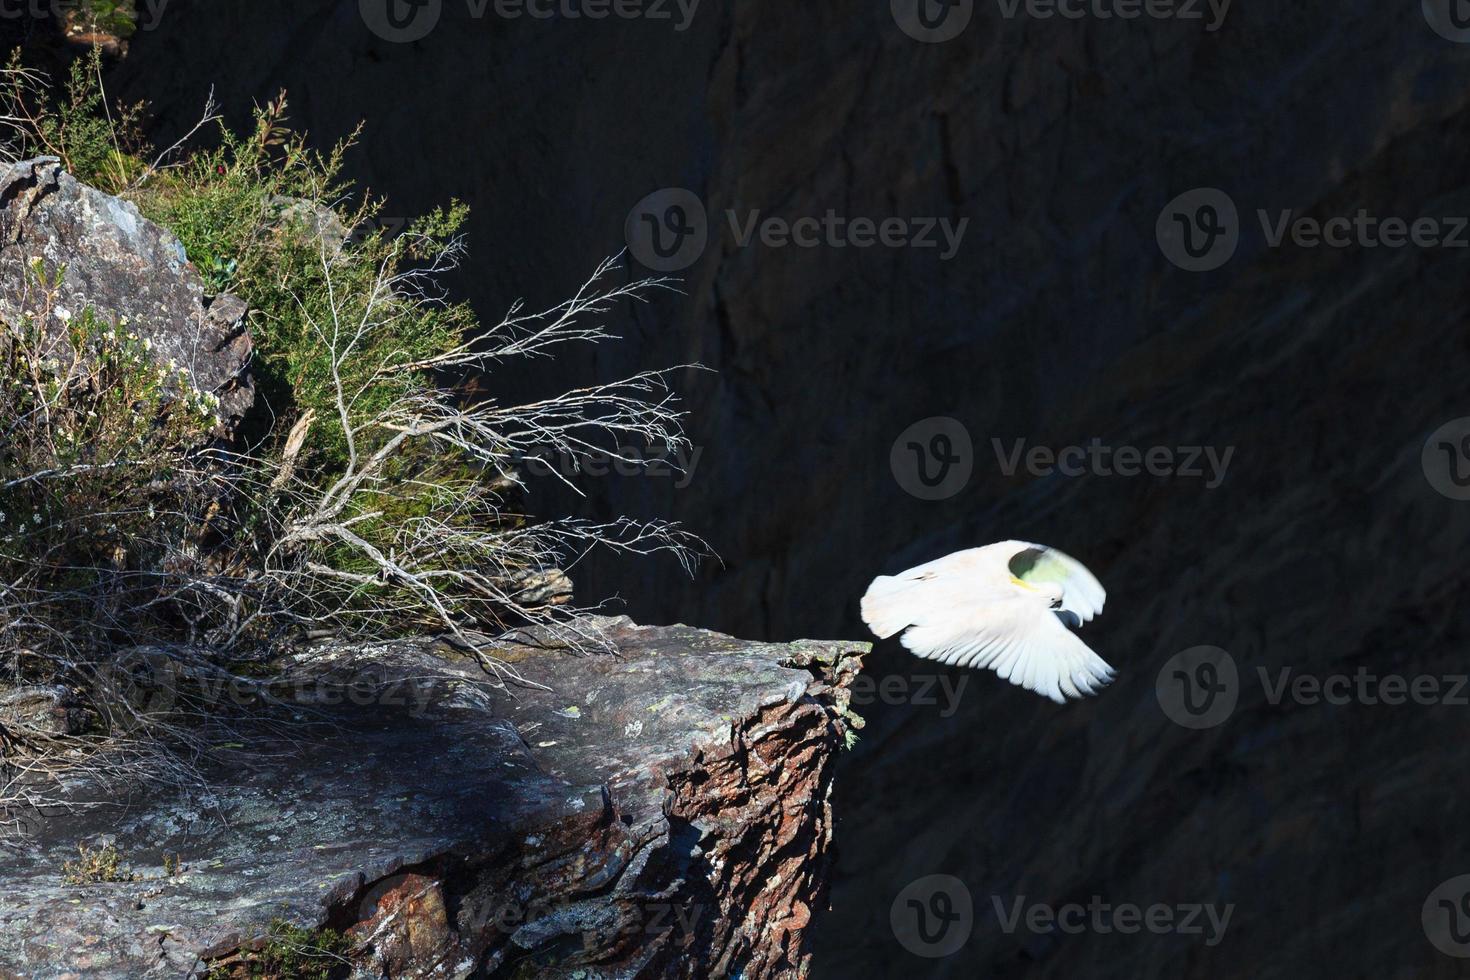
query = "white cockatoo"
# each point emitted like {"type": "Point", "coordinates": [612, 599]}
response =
{"type": "Point", "coordinates": [1005, 606]}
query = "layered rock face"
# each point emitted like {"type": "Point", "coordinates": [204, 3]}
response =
{"type": "Point", "coordinates": [657, 809]}
{"type": "Point", "coordinates": [1058, 321]}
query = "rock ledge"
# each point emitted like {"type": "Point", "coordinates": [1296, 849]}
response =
{"type": "Point", "coordinates": [660, 811]}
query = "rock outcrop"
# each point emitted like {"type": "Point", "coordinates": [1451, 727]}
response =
{"type": "Point", "coordinates": [122, 266]}
{"type": "Point", "coordinates": [657, 809]}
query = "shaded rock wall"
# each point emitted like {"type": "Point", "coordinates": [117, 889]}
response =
{"type": "Point", "coordinates": [1059, 318]}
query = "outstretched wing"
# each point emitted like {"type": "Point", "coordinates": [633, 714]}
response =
{"type": "Point", "coordinates": [1023, 643]}
{"type": "Point", "coordinates": [1082, 594]}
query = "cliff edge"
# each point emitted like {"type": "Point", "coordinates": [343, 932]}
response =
{"type": "Point", "coordinates": [657, 810]}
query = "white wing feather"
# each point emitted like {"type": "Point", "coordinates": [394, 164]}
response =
{"type": "Point", "coordinates": [962, 610]}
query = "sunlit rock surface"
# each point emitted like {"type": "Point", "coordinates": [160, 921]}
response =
{"type": "Point", "coordinates": [660, 808]}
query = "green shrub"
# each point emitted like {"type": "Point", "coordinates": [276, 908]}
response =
{"type": "Point", "coordinates": [101, 455]}
{"type": "Point", "coordinates": [291, 953]}
{"type": "Point", "coordinates": [94, 865]}
{"type": "Point", "coordinates": [99, 145]}
{"type": "Point", "coordinates": [116, 17]}
{"type": "Point", "coordinates": [257, 216]}
{"type": "Point", "coordinates": [365, 495]}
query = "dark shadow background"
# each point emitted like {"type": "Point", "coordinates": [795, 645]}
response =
{"type": "Point", "coordinates": [1325, 549]}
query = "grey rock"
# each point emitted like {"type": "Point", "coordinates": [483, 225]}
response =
{"type": "Point", "coordinates": [48, 710]}
{"type": "Point", "coordinates": [120, 265]}
{"type": "Point", "coordinates": [659, 807]}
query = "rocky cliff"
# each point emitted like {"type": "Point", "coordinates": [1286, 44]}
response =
{"type": "Point", "coordinates": [1058, 320]}
{"type": "Point", "coordinates": [659, 806]}
{"type": "Point", "coordinates": [661, 809]}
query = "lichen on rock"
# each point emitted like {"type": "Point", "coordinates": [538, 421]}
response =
{"type": "Point", "coordinates": [677, 823]}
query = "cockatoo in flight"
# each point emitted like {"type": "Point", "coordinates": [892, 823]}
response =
{"type": "Point", "coordinates": [1005, 606]}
